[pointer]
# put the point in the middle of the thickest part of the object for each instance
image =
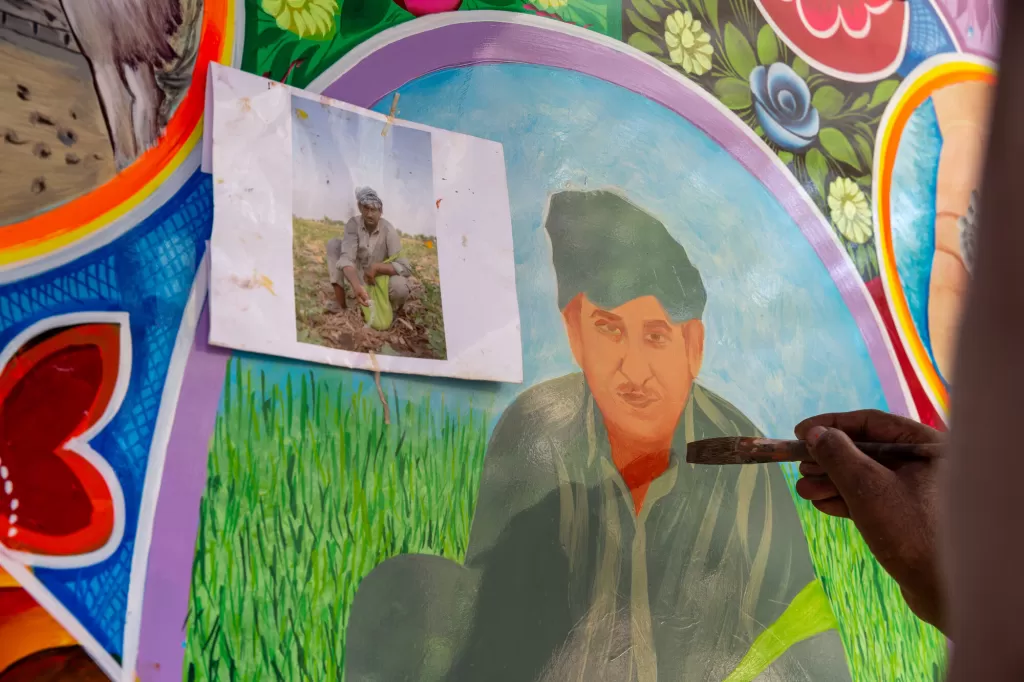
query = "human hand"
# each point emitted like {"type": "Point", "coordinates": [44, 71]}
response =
{"type": "Point", "coordinates": [362, 296]}
{"type": "Point", "coordinates": [370, 275]}
{"type": "Point", "coordinates": [894, 505]}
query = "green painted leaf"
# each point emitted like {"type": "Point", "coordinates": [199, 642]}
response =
{"type": "Point", "coordinates": [640, 24]}
{"type": "Point", "coordinates": [646, 11]}
{"type": "Point", "coordinates": [786, 157]}
{"type": "Point", "coordinates": [801, 68]}
{"type": "Point", "coordinates": [817, 169]}
{"type": "Point", "coordinates": [828, 101]}
{"type": "Point", "coordinates": [738, 51]}
{"type": "Point", "coordinates": [643, 42]}
{"type": "Point", "coordinates": [358, 16]}
{"type": "Point", "coordinates": [759, 131]}
{"type": "Point", "coordinates": [862, 259]}
{"type": "Point", "coordinates": [733, 92]}
{"type": "Point", "coordinates": [864, 129]}
{"type": "Point", "coordinates": [659, 3]}
{"type": "Point", "coordinates": [864, 147]}
{"type": "Point", "coordinates": [806, 616]}
{"type": "Point", "coordinates": [859, 102]}
{"type": "Point", "coordinates": [883, 91]}
{"type": "Point", "coordinates": [767, 45]}
{"type": "Point", "coordinates": [838, 147]}
{"type": "Point", "coordinates": [712, 12]}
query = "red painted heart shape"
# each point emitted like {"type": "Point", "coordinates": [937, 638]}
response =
{"type": "Point", "coordinates": [60, 502]}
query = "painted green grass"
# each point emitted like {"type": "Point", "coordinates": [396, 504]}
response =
{"type": "Point", "coordinates": [884, 640]}
{"type": "Point", "coordinates": [308, 490]}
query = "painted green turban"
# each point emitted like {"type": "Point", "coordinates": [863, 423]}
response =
{"type": "Point", "coordinates": [609, 249]}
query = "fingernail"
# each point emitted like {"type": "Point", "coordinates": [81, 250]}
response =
{"type": "Point", "coordinates": [815, 433]}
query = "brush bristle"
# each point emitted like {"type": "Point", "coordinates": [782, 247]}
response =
{"type": "Point", "coordinates": [718, 451]}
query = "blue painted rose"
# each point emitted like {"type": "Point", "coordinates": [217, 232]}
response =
{"type": "Point", "coordinates": [782, 103]}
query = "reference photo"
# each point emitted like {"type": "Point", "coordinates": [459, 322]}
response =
{"type": "Point", "coordinates": [365, 250]}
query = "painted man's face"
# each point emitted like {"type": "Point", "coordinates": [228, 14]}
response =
{"type": "Point", "coordinates": [638, 363]}
{"type": "Point", "coordinates": [371, 215]}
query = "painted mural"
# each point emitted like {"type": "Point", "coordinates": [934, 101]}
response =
{"type": "Point", "coordinates": [727, 215]}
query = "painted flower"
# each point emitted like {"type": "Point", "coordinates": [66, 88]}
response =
{"type": "Point", "coordinates": [850, 212]}
{"type": "Point", "coordinates": [304, 18]}
{"type": "Point", "coordinates": [857, 40]}
{"type": "Point", "coordinates": [60, 383]}
{"type": "Point", "coordinates": [419, 8]}
{"type": "Point", "coordinates": [782, 103]}
{"type": "Point", "coordinates": [688, 44]}
{"type": "Point", "coordinates": [551, 4]}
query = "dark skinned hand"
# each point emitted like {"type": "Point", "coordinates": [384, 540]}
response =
{"type": "Point", "coordinates": [370, 275]}
{"type": "Point", "coordinates": [894, 505]}
{"type": "Point", "coordinates": [362, 296]}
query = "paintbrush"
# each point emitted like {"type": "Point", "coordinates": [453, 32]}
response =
{"type": "Point", "coordinates": [761, 450]}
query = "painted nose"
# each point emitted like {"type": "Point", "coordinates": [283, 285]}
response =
{"type": "Point", "coordinates": [635, 366]}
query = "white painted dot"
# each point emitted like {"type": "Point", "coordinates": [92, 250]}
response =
{"type": "Point", "coordinates": [8, 487]}
{"type": "Point", "coordinates": [12, 519]}
{"type": "Point", "coordinates": [11, 532]}
{"type": "Point", "coordinates": [14, 504]}
{"type": "Point", "coordinates": [3, 473]}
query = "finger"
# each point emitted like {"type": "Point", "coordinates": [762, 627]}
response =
{"type": "Point", "coordinates": [835, 506]}
{"type": "Point", "coordinates": [816, 488]}
{"type": "Point", "coordinates": [859, 479]}
{"type": "Point", "coordinates": [872, 426]}
{"type": "Point", "coordinates": [811, 469]}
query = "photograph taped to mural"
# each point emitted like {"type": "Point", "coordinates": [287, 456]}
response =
{"type": "Point", "coordinates": [232, 516]}
{"type": "Point", "coordinates": [364, 235]}
{"type": "Point", "coordinates": [293, 248]}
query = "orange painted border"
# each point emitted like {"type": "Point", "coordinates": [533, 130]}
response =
{"type": "Point", "coordinates": [942, 75]}
{"type": "Point", "coordinates": [69, 222]}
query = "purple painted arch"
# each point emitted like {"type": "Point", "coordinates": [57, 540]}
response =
{"type": "Point", "coordinates": [398, 56]}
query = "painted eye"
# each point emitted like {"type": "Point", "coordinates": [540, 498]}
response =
{"type": "Point", "coordinates": [608, 329]}
{"type": "Point", "coordinates": [657, 338]}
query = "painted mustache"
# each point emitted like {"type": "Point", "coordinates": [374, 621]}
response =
{"type": "Point", "coordinates": [636, 395]}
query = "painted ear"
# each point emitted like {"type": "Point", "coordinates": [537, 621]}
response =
{"type": "Point", "coordinates": [57, 496]}
{"type": "Point", "coordinates": [693, 332]}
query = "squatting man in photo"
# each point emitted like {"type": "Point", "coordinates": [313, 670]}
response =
{"type": "Point", "coordinates": [370, 247]}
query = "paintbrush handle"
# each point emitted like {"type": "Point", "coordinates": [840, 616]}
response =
{"type": "Point", "coordinates": [747, 450]}
{"type": "Point", "coordinates": [907, 450]}
{"type": "Point", "coordinates": [796, 450]}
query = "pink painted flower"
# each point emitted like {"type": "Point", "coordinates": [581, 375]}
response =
{"type": "Point", "coordinates": [421, 7]}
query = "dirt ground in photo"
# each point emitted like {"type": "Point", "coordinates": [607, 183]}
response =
{"type": "Point", "coordinates": [418, 328]}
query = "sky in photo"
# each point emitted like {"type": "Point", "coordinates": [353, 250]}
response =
{"type": "Point", "coordinates": [337, 151]}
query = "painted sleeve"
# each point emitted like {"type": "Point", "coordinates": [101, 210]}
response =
{"type": "Point", "coordinates": [349, 245]}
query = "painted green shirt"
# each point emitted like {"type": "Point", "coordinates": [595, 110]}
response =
{"type": "Point", "coordinates": [563, 581]}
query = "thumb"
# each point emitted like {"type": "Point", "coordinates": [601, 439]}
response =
{"type": "Point", "coordinates": [854, 474]}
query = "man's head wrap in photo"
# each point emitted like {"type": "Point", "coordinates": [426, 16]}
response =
{"type": "Point", "coordinates": [367, 196]}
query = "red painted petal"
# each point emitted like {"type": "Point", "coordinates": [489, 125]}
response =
{"type": "Point", "coordinates": [874, 55]}
{"type": "Point", "coordinates": [55, 388]}
{"type": "Point", "coordinates": [820, 15]}
{"type": "Point", "coordinates": [855, 15]}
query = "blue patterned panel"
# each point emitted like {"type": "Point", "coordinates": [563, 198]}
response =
{"type": "Point", "coordinates": [927, 38]}
{"type": "Point", "coordinates": [148, 273]}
